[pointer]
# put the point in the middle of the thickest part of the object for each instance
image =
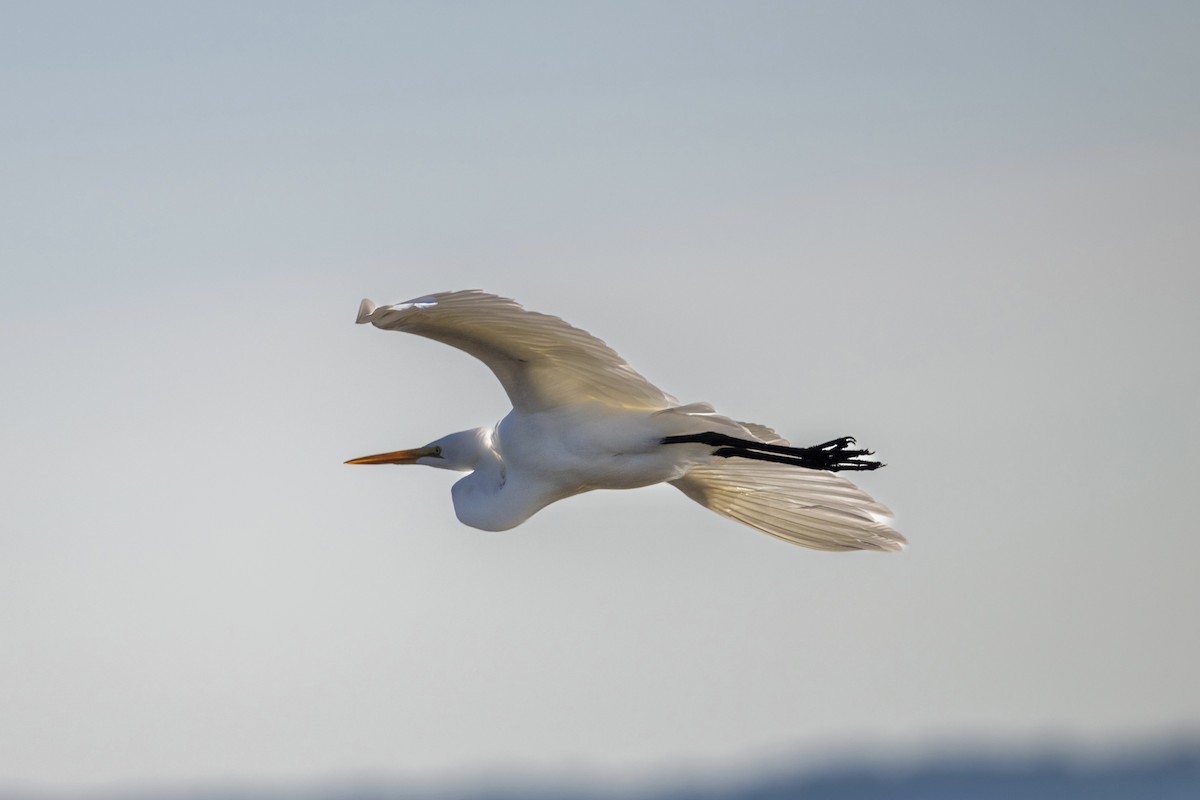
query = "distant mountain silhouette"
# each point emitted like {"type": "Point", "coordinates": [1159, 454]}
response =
{"type": "Point", "coordinates": [1175, 777]}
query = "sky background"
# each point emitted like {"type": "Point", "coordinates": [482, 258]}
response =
{"type": "Point", "coordinates": [965, 233]}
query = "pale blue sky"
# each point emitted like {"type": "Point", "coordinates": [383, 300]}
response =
{"type": "Point", "coordinates": [964, 232]}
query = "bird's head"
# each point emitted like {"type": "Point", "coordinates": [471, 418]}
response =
{"type": "Point", "coordinates": [456, 451]}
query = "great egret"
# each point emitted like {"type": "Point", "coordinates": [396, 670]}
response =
{"type": "Point", "coordinates": [583, 419]}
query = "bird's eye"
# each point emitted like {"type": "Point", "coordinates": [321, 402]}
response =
{"type": "Point", "coordinates": [437, 450]}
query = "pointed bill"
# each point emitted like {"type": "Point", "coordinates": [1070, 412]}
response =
{"type": "Point", "coordinates": [396, 457]}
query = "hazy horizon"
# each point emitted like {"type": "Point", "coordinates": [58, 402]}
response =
{"type": "Point", "coordinates": [965, 234]}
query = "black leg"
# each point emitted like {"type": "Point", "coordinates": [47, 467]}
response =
{"type": "Point", "coordinates": [832, 456]}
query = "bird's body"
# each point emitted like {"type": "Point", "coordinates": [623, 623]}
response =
{"type": "Point", "coordinates": [540, 457]}
{"type": "Point", "coordinates": [595, 447]}
{"type": "Point", "coordinates": [583, 419]}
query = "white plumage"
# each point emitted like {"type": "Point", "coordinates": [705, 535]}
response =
{"type": "Point", "coordinates": [583, 419]}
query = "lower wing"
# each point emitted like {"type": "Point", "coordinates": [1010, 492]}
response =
{"type": "Point", "coordinates": [812, 508]}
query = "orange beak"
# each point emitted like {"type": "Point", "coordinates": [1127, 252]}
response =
{"type": "Point", "coordinates": [395, 457]}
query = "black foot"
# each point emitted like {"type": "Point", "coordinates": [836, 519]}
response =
{"type": "Point", "coordinates": [836, 455]}
{"type": "Point", "coordinates": [832, 456]}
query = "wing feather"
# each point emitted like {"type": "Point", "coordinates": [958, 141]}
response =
{"type": "Point", "coordinates": [542, 361]}
{"type": "Point", "coordinates": [808, 507]}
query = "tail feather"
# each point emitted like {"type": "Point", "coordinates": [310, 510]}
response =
{"type": "Point", "coordinates": [764, 434]}
{"type": "Point", "coordinates": [708, 417]}
{"type": "Point", "coordinates": [812, 508]}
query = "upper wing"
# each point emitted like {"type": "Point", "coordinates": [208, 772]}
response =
{"type": "Point", "coordinates": [808, 507]}
{"type": "Point", "coordinates": [541, 361]}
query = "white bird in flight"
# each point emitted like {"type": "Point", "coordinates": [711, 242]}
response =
{"type": "Point", "coordinates": [583, 419]}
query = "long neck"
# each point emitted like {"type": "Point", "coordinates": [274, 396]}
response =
{"type": "Point", "coordinates": [481, 499]}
